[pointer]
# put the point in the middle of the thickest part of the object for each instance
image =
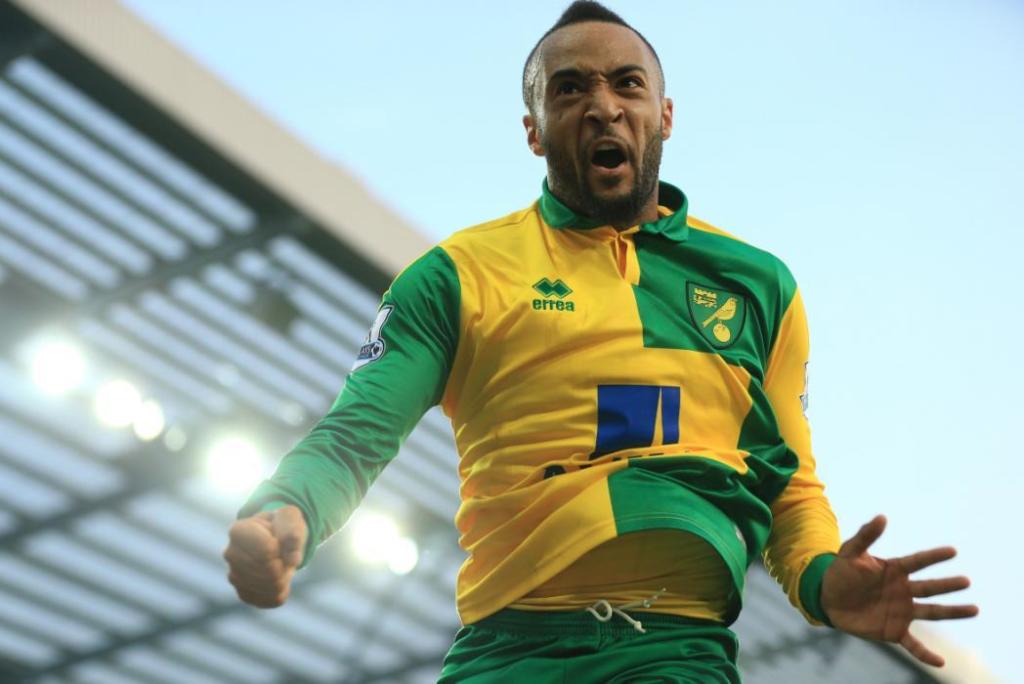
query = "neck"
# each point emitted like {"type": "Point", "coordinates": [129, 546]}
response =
{"type": "Point", "coordinates": [648, 214]}
{"type": "Point", "coordinates": [621, 216]}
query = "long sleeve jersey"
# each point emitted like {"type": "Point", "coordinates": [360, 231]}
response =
{"type": "Point", "coordinates": [600, 382]}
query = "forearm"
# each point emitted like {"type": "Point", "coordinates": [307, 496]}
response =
{"type": "Point", "coordinates": [802, 544]}
{"type": "Point", "coordinates": [804, 531]}
{"type": "Point", "coordinates": [400, 373]}
{"type": "Point", "coordinates": [328, 473]}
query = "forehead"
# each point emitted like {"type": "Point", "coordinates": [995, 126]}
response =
{"type": "Point", "coordinates": [593, 46]}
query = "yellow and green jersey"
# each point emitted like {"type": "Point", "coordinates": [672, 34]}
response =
{"type": "Point", "coordinates": [627, 407]}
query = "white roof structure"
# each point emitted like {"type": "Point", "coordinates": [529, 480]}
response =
{"type": "Point", "coordinates": [181, 240]}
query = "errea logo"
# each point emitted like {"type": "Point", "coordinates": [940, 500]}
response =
{"type": "Point", "coordinates": [554, 296]}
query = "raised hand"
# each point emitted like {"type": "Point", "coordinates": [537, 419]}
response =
{"type": "Point", "coordinates": [263, 552]}
{"type": "Point", "coordinates": [875, 598]}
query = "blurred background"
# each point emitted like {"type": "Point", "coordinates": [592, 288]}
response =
{"type": "Point", "coordinates": [200, 204]}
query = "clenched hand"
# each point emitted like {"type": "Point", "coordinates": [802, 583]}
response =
{"type": "Point", "coordinates": [263, 552]}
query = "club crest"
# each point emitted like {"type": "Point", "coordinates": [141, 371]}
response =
{"type": "Point", "coordinates": [717, 314]}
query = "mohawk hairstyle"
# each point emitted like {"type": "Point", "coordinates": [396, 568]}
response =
{"type": "Point", "coordinates": [577, 13]}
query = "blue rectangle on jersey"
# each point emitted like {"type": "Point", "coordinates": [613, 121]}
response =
{"type": "Point", "coordinates": [626, 416]}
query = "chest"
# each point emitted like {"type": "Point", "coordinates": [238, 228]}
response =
{"type": "Point", "coordinates": [606, 307]}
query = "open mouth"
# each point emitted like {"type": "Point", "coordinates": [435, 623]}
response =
{"type": "Point", "coordinates": [608, 158]}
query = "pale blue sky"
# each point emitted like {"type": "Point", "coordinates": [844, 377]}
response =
{"type": "Point", "coordinates": [877, 147]}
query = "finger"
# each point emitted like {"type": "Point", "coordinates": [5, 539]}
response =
{"type": "Point", "coordinates": [867, 535]}
{"type": "Point", "coordinates": [264, 584]}
{"type": "Point", "coordinates": [923, 559]}
{"type": "Point", "coordinates": [937, 611]}
{"type": "Point", "coordinates": [241, 562]}
{"type": "Point", "coordinates": [263, 517]}
{"type": "Point", "coordinates": [247, 586]}
{"type": "Point", "coordinates": [935, 587]}
{"type": "Point", "coordinates": [262, 593]}
{"type": "Point", "coordinates": [245, 553]}
{"type": "Point", "coordinates": [262, 599]}
{"type": "Point", "coordinates": [920, 651]}
{"type": "Point", "coordinates": [254, 538]}
{"type": "Point", "coordinates": [261, 589]}
{"type": "Point", "coordinates": [289, 527]}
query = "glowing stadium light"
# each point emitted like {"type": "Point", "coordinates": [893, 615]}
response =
{"type": "Point", "coordinates": [175, 438]}
{"type": "Point", "coordinates": [57, 366]}
{"type": "Point", "coordinates": [234, 465]}
{"type": "Point", "coordinates": [376, 539]}
{"type": "Point", "coordinates": [292, 413]}
{"type": "Point", "coordinates": [373, 535]}
{"type": "Point", "coordinates": [116, 403]}
{"type": "Point", "coordinates": [149, 420]}
{"type": "Point", "coordinates": [404, 556]}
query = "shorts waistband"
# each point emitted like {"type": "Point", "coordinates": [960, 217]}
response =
{"type": "Point", "coordinates": [582, 623]}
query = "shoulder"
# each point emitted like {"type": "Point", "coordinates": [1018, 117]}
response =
{"type": "Point", "coordinates": [492, 237]}
{"type": "Point", "coordinates": [442, 267]}
{"type": "Point", "coordinates": [432, 275]}
{"type": "Point", "coordinates": [762, 262]}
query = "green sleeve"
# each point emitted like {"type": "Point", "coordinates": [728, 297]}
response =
{"type": "Point", "coordinates": [399, 374]}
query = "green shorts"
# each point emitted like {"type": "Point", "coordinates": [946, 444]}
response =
{"type": "Point", "coordinates": [554, 647]}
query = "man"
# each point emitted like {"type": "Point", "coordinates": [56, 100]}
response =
{"type": "Point", "coordinates": [626, 386]}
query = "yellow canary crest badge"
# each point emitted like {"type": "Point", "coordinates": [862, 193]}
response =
{"type": "Point", "coordinates": [718, 315]}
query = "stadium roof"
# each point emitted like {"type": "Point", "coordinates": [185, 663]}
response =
{"type": "Point", "coordinates": [184, 243]}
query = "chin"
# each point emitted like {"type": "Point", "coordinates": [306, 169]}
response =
{"type": "Point", "coordinates": [618, 193]}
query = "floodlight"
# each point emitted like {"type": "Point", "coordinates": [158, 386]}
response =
{"type": "Point", "coordinates": [404, 556]}
{"type": "Point", "coordinates": [376, 539]}
{"type": "Point", "coordinates": [373, 534]}
{"type": "Point", "coordinates": [292, 413]}
{"type": "Point", "coordinates": [175, 438]}
{"type": "Point", "coordinates": [57, 366]}
{"type": "Point", "coordinates": [234, 465]}
{"type": "Point", "coordinates": [117, 403]}
{"type": "Point", "coordinates": [149, 420]}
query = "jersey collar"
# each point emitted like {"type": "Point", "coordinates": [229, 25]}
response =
{"type": "Point", "coordinates": [672, 205]}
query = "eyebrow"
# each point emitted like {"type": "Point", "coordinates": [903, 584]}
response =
{"type": "Point", "coordinates": [572, 72]}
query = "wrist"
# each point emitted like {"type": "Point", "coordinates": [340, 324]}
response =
{"type": "Point", "coordinates": [811, 582]}
{"type": "Point", "coordinates": [273, 506]}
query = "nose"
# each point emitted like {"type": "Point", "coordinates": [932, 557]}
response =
{"type": "Point", "coordinates": [604, 107]}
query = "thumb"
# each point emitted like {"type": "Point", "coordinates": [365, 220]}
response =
{"type": "Point", "coordinates": [289, 528]}
{"type": "Point", "coordinates": [867, 535]}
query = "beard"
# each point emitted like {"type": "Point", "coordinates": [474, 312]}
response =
{"type": "Point", "coordinates": [576, 191]}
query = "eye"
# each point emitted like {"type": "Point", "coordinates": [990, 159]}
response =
{"type": "Point", "coordinates": [631, 82]}
{"type": "Point", "coordinates": [567, 88]}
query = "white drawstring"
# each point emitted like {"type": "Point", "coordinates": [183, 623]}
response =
{"type": "Point", "coordinates": [621, 610]}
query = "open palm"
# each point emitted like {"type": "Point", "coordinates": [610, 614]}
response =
{"type": "Point", "coordinates": [874, 597]}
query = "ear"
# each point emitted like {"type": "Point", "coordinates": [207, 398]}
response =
{"type": "Point", "coordinates": [533, 135]}
{"type": "Point", "coordinates": [666, 118]}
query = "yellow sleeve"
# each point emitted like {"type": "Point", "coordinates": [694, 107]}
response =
{"type": "Point", "coordinates": [805, 535]}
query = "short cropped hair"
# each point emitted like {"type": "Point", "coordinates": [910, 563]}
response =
{"type": "Point", "coordinates": [577, 13]}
